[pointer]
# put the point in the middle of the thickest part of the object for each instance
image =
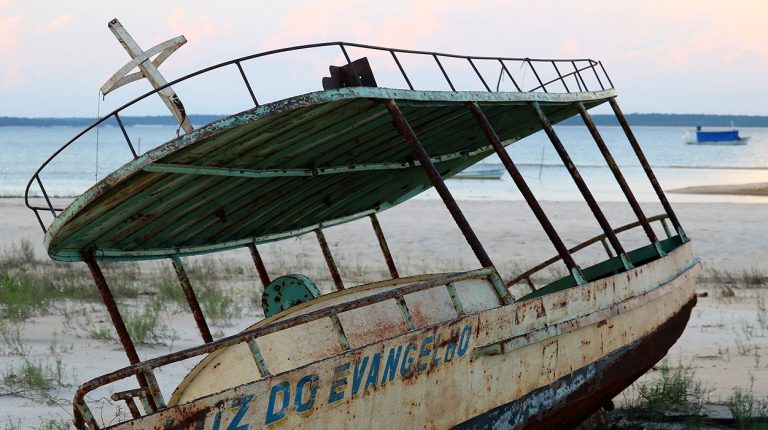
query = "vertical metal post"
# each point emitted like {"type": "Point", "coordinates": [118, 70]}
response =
{"type": "Point", "coordinates": [580, 184]}
{"type": "Point", "coordinates": [599, 81]}
{"type": "Point", "coordinates": [47, 199]}
{"type": "Point", "coordinates": [400, 66]}
{"type": "Point", "coordinates": [384, 248]}
{"type": "Point", "coordinates": [117, 319]}
{"type": "Point", "coordinates": [541, 84]}
{"type": "Point", "coordinates": [578, 74]}
{"type": "Point", "coordinates": [506, 160]}
{"type": "Point", "coordinates": [477, 72]}
{"type": "Point", "coordinates": [619, 178]}
{"type": "Point", "coordinates": [437, 181]}
{"type": "Point", "coordinates": [504, 67]}
{"type": "Point", "coordinates": [39, 220]}
{"type": "Point", "coordinates": [439, 64]}
{"type": "Point", "coordinates": [329, 260]}
{"type": "Point", "coordinates": [358, 82]}
{"type": "Point", "coordinates": [189, 293]}
{"type": "Point", "coordinates": [606, 74]}
{"type": "Point", "coordinates": [263, 275]}
{"type": "Point", "coordinates": [607, 248]}
{"type": "Point", "coordinates": [647, 168]}
{"type": "Point", "coordinates": [667, 231]}
{"type": "Point", "coordinates": [247, 84]}
{"type": "Point", "coordinates": [554, 64]}
{"type": "Point", "coordinates": [125, 135]}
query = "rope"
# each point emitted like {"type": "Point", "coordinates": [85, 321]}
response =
{"type": "Point", "coordinates": [98, 115]}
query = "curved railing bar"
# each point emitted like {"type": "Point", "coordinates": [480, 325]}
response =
{"type": "Point", "coordinates": [237, 62]}
{"type": "Point", "coordinates": [526, 276]}
{"type": "Point", "coordinates": [562, 78]}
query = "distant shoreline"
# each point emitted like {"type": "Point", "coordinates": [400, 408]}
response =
{"type": "Point", "coordinates": [635, 119]}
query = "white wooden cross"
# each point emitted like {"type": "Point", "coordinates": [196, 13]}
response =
{"type": "Point", "coordinates": [148, 69]}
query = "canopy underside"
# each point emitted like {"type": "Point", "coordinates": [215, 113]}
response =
{"type": "Point", "coordinates": [286, 168]}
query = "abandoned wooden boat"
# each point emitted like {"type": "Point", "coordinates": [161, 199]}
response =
{"type": "Point", "coordinates": [431, 351]}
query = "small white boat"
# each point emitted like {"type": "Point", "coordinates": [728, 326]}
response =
{"type": "Point", "coordinates": [728, 137]}
{"type": "Point", "coordinates": [480, 172]}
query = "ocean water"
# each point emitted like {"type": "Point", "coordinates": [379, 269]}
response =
{"type": "Point", "coordinates": [23, 149]}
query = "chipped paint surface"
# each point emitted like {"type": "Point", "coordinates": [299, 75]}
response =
{"type": "Point", "coordinates": [377, 383]}
{"type": "Point", "coordinates": [139, 213]}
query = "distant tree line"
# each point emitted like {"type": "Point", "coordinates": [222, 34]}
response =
{"type": "Point", "coordinates": [648, 119]}
{"type": "Point", "coordinates": [197, 120]}
{"type": "Point", "coordinates": [676, 120]}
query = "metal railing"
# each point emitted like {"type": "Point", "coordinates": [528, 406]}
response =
{"type": "Point", "coordinates": [526, 276]}
{"type": "Point", "coordinates": [153, 396]}
{"type": "Point", "coordinates": [576, 71]}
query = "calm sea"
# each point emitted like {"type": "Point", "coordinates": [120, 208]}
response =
{"type": "Point", "coordinates": [23, 149]}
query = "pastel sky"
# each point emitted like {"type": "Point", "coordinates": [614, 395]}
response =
{"type": "Point", "coordinates": [697, 56]}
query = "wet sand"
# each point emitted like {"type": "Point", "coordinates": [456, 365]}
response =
{"type": "Point", "coordinates": [752, 189]}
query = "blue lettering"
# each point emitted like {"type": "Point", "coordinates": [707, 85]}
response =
{"type": "Point", "coordinates": [425, 352]}
{"type": "Point", "coordinates": [435, 360]}
{"type": "Point", "coordinates": [407, 365]}
{"type": "Point", "coordinates": [242, 404]}
{"type": "Point", "coordinates": [373, 372]}
{"type": "Point", "coordinates": [339, 381]}
{"type": "Point", "coordinates": [274, 416]}
{"type": "Point", "coordinates": [217, 421]}
{"type": "Point", "coordinates": [391, 367]}
{"type": "Point", "coordinates": [301, 406]}
{"type": "Point", "coordinates": [357, 374]}
{"type": "Point", "coordinates": [466, 332]}
{"type": "Point", "coordinates": [450, 347]}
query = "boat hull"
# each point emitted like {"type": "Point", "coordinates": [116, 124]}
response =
{"type": "Point", "coordinates": [547, 362]}
{"type": "Point", "coordinates": [740, 141]}
{"type": "Point", "coordinates": [572, 398]}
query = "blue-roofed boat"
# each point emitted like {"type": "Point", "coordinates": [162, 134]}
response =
{"type": "Point", "coordinates": [728, 137]}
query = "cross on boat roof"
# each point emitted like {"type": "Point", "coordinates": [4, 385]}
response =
{"type": "Point", "coordinates": [148, 69]}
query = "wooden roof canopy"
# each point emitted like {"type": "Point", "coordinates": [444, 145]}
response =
{"type": "Point", "coordinates": [286, 168]}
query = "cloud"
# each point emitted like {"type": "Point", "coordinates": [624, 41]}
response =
{"type": "Point", "coordinates": [200, 29]}
{"type": "Point", "coordinates": [402, 27]}
{"type": "Point", "coordinates": [55, 24]}
{"type": "Point", "coordinates": [9, 35]}
{"type": "Point", "coordinates": [12, 77]}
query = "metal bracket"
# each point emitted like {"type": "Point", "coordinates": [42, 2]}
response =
{"type": "Point", "coordinates": [355, 74]}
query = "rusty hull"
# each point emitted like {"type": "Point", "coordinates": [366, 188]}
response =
{"type": "Point", "coordinates": [539, 363]}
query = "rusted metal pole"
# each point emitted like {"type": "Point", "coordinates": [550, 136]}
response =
{"type": "Point", "coordinates": [189, 293]}
{"type": "Point", "coordinates": [329, 260]}
{"type": "Point", "coordinates": [437, 181]}
{"type": "Point", "coordinates": [517, 177]}
{"type": "Point", "coordinates": [580, 184]}
{"type": "Point", "coordinates": [647, 168]}
{"type": "Point", "coordinates": [384, 248]}
{"type": "Point", "coordinates": [619, 178]}
{"type": "Point", "coordinates": [117, 320]}
{"type": "Point", "coordinates": [263, 275]}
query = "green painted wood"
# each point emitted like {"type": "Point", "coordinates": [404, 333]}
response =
{"type": "Point", "coordinates": [219, 189]}
{"type": "Point", "coordinates": [145, 209]}
{"type": "Point", "coordinates": [279, 124]}
{"type": "Point", "coordinates": [608, 267]}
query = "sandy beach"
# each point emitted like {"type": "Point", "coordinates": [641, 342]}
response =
{"type": "Point", "coordinates": [422, 236]}
{"type": "Point", "coordinates": [751, 189]}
